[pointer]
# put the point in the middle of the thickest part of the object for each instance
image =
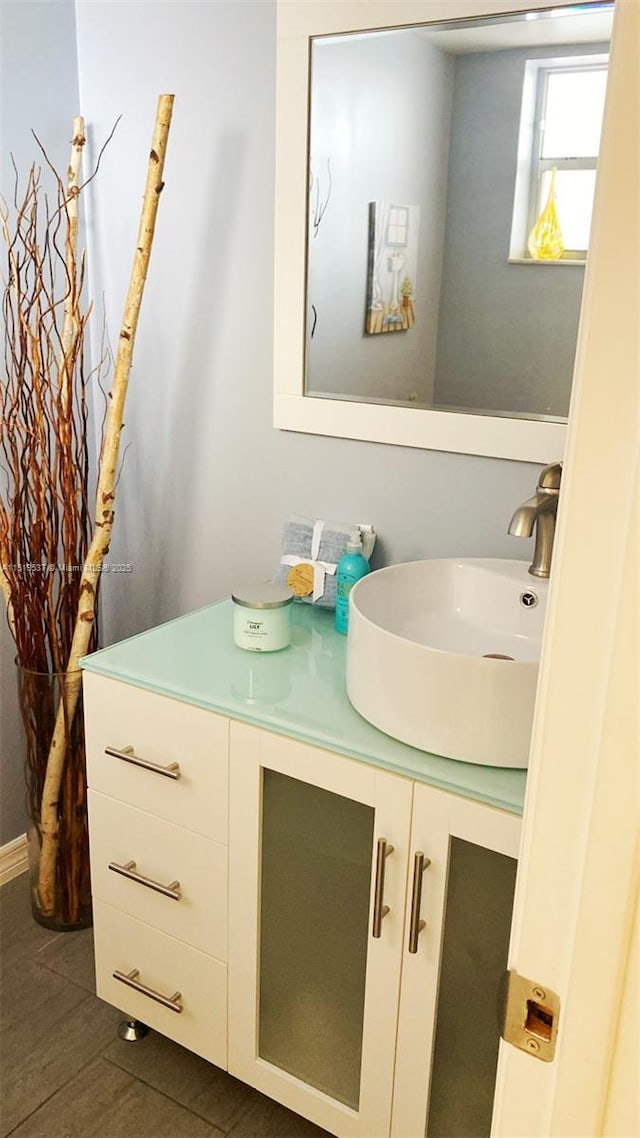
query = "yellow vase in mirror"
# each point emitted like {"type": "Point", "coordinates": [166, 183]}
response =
{"type": "Point", "coordinates": [545, 240]}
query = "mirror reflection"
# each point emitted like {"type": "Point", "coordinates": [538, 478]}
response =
{"type": "Point", "coordinates": [451, 177]}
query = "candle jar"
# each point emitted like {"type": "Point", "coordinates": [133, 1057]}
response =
{"type": "Point", "coordinates": [262, 617]}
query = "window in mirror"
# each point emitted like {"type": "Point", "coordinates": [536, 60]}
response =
{"type": "Point", "coordinates": [569, 105]}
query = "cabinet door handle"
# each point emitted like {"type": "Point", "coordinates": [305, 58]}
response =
{"type": "Point", "coordinates": [380, 910]}
{"type": "Point", "coordinates": [129, 871]}
{"type": "Point", "coordinates": [131, 980]}
{"type": "Point", "coordinates": [420, 863]}
{"type": "Point", "coordinates": [128, 755]}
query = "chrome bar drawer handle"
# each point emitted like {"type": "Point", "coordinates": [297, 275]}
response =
{"type": "Point", "coordinates": [131, 980]}
{"type": "Point", "coordinates": [129, 870]}
{"type": "Point", "coordinates": [128, 756]}
{"type": "Point", "coordinates": [380, 910]}
{"type": "Point", "coordinates": [420, 863]}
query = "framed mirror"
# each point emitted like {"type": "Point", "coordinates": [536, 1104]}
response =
{"type": "Point", "coordinates": [422, 296]}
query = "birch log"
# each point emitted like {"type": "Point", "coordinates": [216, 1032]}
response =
{"type": "Point", "coordinates": [70, 323]}
{"type": "Point", "coordinates": [67, 359]}
{"type": "Point", "coordinates": [105, 496]}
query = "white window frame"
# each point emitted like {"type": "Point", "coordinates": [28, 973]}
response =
{"type": "Point", "coordinates": [531, 165]}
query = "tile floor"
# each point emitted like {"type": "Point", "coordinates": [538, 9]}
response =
{"type": "Point", "coordinates": [65, 1074]}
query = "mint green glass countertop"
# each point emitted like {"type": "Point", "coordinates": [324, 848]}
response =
{"type": "Point", "coordinates": [299, 691]}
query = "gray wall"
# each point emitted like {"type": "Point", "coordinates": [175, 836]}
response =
{"type": "Point", "coordinates": [207, 482]}
{"type": "Point", "coordinates": [505, 330]}
{"type": "Point", "coordinates": [380, 113]}
{"type": "Point", "coordinates": [40, 91]}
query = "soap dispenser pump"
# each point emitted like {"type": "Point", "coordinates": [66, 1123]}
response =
{"type": "Point", "coordinates": [351, 567]}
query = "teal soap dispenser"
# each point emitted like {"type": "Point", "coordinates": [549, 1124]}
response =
{"type": "Point", "coordinates": [351, 567]}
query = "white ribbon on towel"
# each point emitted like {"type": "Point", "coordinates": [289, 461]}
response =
{"type": "Point", "coordinates": [320, 568]}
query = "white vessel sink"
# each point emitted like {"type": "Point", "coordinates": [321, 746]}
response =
{"type": "Point", "coordinates": [421, 656]}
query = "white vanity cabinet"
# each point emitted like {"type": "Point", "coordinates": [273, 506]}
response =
{"type": "Point", "coordinates": [286, 891]}
{"type": "Point", "coordinates": [157, 772]}
{"type": "Point", "coordinates": [345, 883]}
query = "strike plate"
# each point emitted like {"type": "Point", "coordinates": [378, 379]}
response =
{"type": "Point", "coordinates": [531, 1017]}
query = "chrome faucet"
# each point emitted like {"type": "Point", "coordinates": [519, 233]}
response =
{"type": "Point", "coordinates": [540, 511]}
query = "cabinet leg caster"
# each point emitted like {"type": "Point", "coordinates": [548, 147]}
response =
{"type": "Point", "coordinates": [131, 1030]}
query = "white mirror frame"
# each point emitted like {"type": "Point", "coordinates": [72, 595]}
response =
{"type": "Point", "coordinates": [525, 440]}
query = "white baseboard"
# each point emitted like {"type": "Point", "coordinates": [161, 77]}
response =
{"type": "Point", "coordinates": [13, 859]}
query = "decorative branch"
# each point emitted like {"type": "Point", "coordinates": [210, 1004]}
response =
{"type": "Point", "coordinates": [105, 496]}
{"type": "Point", "coordinates": [44, 478]}
{"type": "Point", "coordinates": [319, 204]}
{"type": "Point", "coordinates": [44, 519]}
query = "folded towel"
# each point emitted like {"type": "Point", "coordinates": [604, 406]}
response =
{"type": "Point", "coordinates": [311, 550]}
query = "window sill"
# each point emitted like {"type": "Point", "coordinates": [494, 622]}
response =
{"type": "Point", "coordinates": [546, 264]}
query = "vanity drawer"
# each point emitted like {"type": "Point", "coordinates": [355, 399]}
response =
{"type": "Point", "coordinates": [195, 909]}
{"type": "Point", "coordinates": [166, 967]}
{"type": "Point", "coordinates": [161, 731]}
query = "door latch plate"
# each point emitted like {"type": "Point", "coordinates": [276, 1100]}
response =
{"type": "Point", "coordinates": [531, 1013]}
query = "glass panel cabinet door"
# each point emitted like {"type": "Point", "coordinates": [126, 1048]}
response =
{"type": "Point", "coordinates": [461, 887]}
{"type": "Point", "coordinates": [474, 959]}
{"type": "Point", "coordinates": [313, 993]}
{"type": "Point", "coordinates": [315, 883]}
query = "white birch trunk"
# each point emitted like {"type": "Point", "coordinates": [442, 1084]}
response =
{"type": "Point", "coordinates": [105, 497]}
